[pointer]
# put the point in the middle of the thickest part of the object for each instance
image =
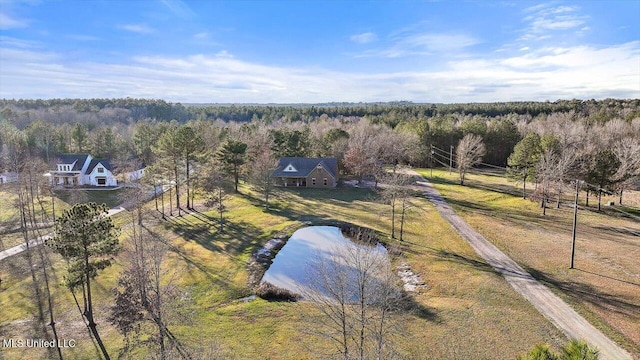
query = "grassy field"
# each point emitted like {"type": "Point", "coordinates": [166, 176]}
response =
{"type": "Point", "coordinates": [605, 284]}
{"type": "Point", "coordinates": [110, 197]}
{"type": "Point", "coordinates": [10, 234]}
{"type": "Point", "coordinates": [467, 310]}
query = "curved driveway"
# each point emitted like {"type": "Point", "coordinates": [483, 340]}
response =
{"type": "Point", "coordinates": [547, 303]}
{"type": "Point", "coordinates": [33, 243]}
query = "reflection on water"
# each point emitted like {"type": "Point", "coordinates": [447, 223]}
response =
{"type": "Point", "coordinates": [295, 266]}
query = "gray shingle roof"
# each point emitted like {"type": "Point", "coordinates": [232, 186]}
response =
{"type": "Point", "coordinates": [105, 162]}
{"type": "Point", "coordinates": [304, 166]}
{"type": "Point", "coordinates": [70, 158]}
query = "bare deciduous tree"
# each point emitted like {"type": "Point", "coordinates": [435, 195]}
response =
{"type": "Point", "coordinates": [628, 153]}
{"type": "Point", "coordinates": [262, 166]}
{"type": "Point", "coordinates": [356, 294]}
{"type": "Point", "coordinates": [145, 293]}
{"type": "Point", "coordinates": [469, 153]}
{"type": "Point", "coordinates": [214, 184]}
{"type": "Point", "coordinates": [394, 193]}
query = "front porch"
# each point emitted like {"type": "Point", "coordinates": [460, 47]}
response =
{"type": "Point", "coordinates": [292, 182]}
{"type": "Point", "coordinates": [66, 180]}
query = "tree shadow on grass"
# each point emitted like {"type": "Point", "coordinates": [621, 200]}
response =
{"type": "Point", "coordinates": [191, 229]}
{"type": "Point", "coordinates": [253, 200]}
{"type": "Point", "coordinates": [609, 277]}
{"type": "Point", "coordinates": [236, 237]}
{"type": "Point", "coordinates": [620, 230]}
{"type": "Point", "coordinates": [338, 194]}
{"type": "Point", "coordinates": [466, 261]}
{"type": "Point", "coordinates": [203, 217]}
{"type": "Point", "coordinates": [521, 218]}
{"type": "Point", "coordinates": [580, 293]}
{"type": "Point", "coordinates": [213, 277]}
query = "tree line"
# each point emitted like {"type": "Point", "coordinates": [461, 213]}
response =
{"type": "Point", "coordinates": [592, 140]}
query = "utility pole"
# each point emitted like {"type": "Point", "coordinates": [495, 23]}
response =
{"type": "Point", "coordinates": [162, 199]}
{"type": "Point", "coordinates": [575, 223]}
{"type": "Point", "coordinates": [432, 161]}
{"type": "Point", "coordinates": [450, 158]}
{"type": "Point", "coordinates": [170, 200]}
{"type": "Point", "coordinates": [524, 183]}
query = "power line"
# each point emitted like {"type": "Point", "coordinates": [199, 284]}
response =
{"type": "Point", "coordinates": [493, 166]}
{"type": "Point", "coordinates": [446, 153]}
{"type": "Point", "coordinates": [626, 213]}
{"type": "Point", "coordinates": [441, 163]}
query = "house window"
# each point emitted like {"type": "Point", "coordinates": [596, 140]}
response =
{"type": "Point", "coordinates": [100, 170]}
{"type": "Point", "coordinates": [102, 181]}
{"type": "Point", "coordinates": [313, 181]}
{"type": "Point", "coordinates": [325, 182]}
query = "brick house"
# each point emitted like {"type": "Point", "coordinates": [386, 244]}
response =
{"type": "Point", "coordinates": [306, 172]}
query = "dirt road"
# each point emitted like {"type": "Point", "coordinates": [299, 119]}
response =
{"type": "Point", "coordinates": [547, 303]}
{"type": "Point", "coordinates": [33, 243]}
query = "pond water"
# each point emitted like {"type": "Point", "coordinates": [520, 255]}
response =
{"type": "Point", "coordinates": [295, 267]}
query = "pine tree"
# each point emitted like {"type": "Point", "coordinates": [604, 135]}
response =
{"type": "Point", "coordinates": [88, 241]}
{"type": "Point", "coordinates": [231, 155]}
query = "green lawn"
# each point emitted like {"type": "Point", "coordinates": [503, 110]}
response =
{"type": "Point", "coordinates": [10, 234]}
{"type": "Point", "coordinates": [467, 310]}
{"type": "Point", "coordinates": [605, 285]}
{"type": "Point", "coordinates": [110, 197]}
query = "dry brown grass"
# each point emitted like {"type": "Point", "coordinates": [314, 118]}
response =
{"type": "Point", "coordinates": [605, 284]}
{"type": "Point", "coordinates": [467, 310]}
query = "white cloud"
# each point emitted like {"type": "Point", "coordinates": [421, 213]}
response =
{"type": "Point", "coordinates": [18, 43]}
{"type": "Point", "coordinates": [422, 44]}
{"type": "Point", "coordinates": [7, 22]}
{"type": "Point", "coordinates": [137, 28]}
{"type": "Point", "coordinates": [438, 42]}
{"type": "Point", "coordinates": [224, 54]}
{"type": "Point", "coordinates": [83, 37]}
{"type": "Point", "coordinates": [364, 38]}
{"type": "Point", "coordinates": [179, 8]}
{"type": "Point", "coordinates": [201, 35]}
{"type": "Point", "coordinates": [547, 74]}
{"type": "Point", "coordinates": [545, 19]}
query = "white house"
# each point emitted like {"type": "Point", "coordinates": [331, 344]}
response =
{"type": "Point", "coordinates": [84, 170]}
{"type": "Point", "coordinates": [8, 177]}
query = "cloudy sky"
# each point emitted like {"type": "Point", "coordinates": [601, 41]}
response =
{"type": "Point", "coordinates": [319, 51]}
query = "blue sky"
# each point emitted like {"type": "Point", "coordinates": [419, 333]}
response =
{"type": "Point", "coordinates": [318, 51]}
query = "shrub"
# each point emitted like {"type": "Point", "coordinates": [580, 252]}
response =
{"type": "Point", "coordinates": [574, 350]}
{"type": "Point", "coordinates": [271, 292]}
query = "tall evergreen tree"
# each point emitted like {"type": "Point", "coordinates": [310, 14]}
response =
{"type": "Point", "coordinates": [88, 241]}
{"type": "Point", "coordinates": [192, 147]}
{"type": "Point", "coordinates": [170, 156]}
{"type": "Point", "coordinates": [80, 137]}
{"type": "Point", "coordinates": [231, 155]}
{"type": "Point", "coordinates": [523, 159]}
{"type": "Point", "coordinates": [602, 169]}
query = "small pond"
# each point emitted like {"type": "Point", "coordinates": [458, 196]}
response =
{"type": "Point", "coordinates": [296, 265]}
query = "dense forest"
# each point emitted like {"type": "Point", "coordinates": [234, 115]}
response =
{"type": "Point", "coordinates": [579, 136]}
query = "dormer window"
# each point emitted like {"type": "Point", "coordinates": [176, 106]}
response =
{"type": "Point", "coordinates": [100, 169]}
{"type": "Point", "coordinates": [290, 168]}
